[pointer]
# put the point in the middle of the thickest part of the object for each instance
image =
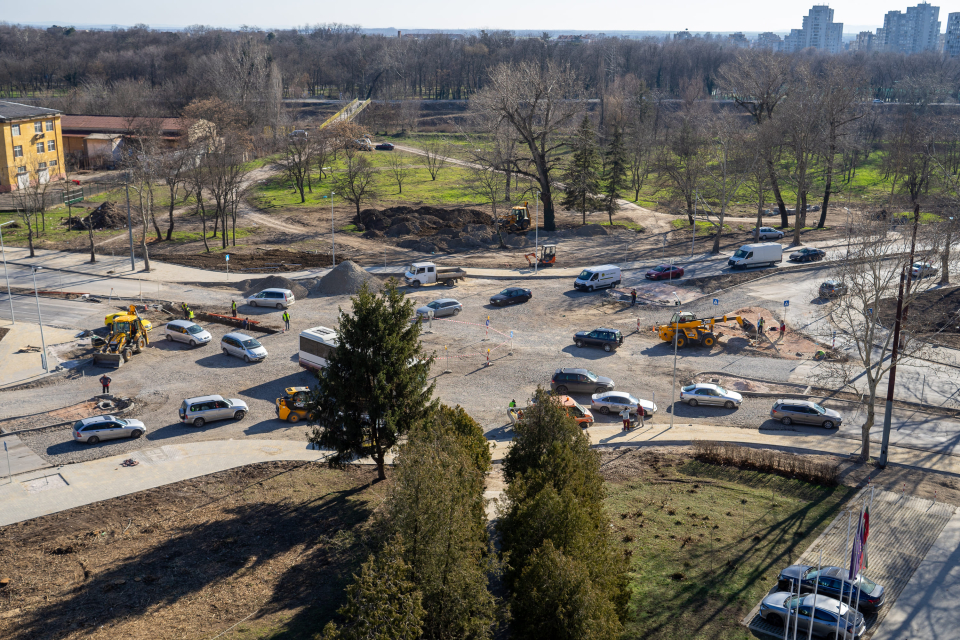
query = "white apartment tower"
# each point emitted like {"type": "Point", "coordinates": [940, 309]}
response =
{"type": "Point", "coordinates": [915, 30]}
{"type": "Point", "coordinates": [951, 39]}
{"type": "Point", "coordinates": [819, 31]}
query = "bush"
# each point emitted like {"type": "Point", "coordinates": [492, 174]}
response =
{"type": "Point", "coordinates": [768, 461]}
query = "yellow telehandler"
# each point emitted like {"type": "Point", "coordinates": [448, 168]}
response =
{"type": "Point", "coordinates": [128, 336]}
{"type": "Point", "coordinates": [698, 331]}
{"type": "Point", "coordinates": [517, 220]}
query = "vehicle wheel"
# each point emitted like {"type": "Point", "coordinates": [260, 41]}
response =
{"type": "Point", "coordinates": [786, 421]}
{"type": "Point", "coordinates": [169, 339]}
{"type": "Point", "coordinates": [246, 358]}
{"type": "Point", "coordinates": [605, 410]}
{"type": "Point", "coordinates": [606, 348]}
{"type": "Point", "coordinates": [681, 342]}
{"type": "Point", "coordinates": [199, 422]}
{"type": "Point", "coordinates": [590, 289]}
{"type": "Point", "coordinates": [561, 389]}
{"type": "Point", "coordinates": [600, 390]}
{"type": "Point", "coordinates": [456, 312]}
{"type": "Point", "coordinates": [728, 404]}
{"type": "Point", "coordinates": [239, 415]}
{"type": "Point", "coordinates": [416, 284]}
{"type": "Point", "coordinates": [279, 306]}
{"type": "Point", "coordinates": [616, 284]}
{"type": "Point", "coordinates": [224, 351]}
{"type": "Point", "coordinates": [127, 355]}
{"type": "Point", "coordinates": [293, 418]}
{"type": "Point", "coordinates": [775, 620]}
{"type": "Point", "coordinates": [579, 343]}
{"type": "Point", "coordinates": [253, 303]}
{"type": "Point", "coordinates": [828, 424]}
{"type": "Point", "coordinates": [193, 343]}
{"type": "Point", "coordinates": [136, 433]}
{"type": "Point", "coordinates": [708, 340]}
{"type": "Point", "coordinates": [93, 440]}
{"type": "Point", "coordinates": [693, 402]}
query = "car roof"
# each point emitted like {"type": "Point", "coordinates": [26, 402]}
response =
{"type": "Point", "coordinates": [274, 289]}
{"type": "Point", "coordinates": [834, 572]}
{"type": "Point", "coordinates": [822, 602]}
{"type": "Point", "coordinates": [623, 394]}
{"type": "Point", "coordinates": [570, 370]}
{"type": "Point", "coordinates": [603, 267]}
{"type": "Point", "coordinates": [293, 390]}
{"type": "Point", "coordinates": [181, 323]}
{"type": "Point", "coordinates": [706, 385]}
{"type": "Point", "coordinates": [238, 336]}
{"type": "Point", "coordinates": [444, 300]}
{"type": "Point", "coordinates": [203, 398]}
{"type": "Point", "coordinates": [831, 281]}
{"type": "Point", "coordinates": [96, 419]}
{"type": "Point", "coordinates": [809, 403]}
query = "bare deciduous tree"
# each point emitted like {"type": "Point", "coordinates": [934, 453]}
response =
{"type": "Point", "coordinates": [731, 162]}
{"type": "Point", "coordinates": [436, 153]}
{"type": "Point", "coordinates": [295, 160]}
{"type": "Point", "coordinates": [355, 181]}
{"type": "Point", "coordinates": [399, 169]}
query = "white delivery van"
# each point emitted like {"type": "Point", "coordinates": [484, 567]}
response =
{"type": "Point", "coordinates": [593, 278]}
{"type": "Point", "coordinates": [755, 255]}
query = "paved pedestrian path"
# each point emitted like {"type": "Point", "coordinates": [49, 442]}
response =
{"type": "Point", "coordinates": [24, 367]}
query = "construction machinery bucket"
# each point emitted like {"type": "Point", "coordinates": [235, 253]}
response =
{"type": "Point", "coordinates": [109, 360]}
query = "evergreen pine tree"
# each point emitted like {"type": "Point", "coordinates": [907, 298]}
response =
{"type": "Point", "coordinates": [581, 180]}
{"type": "Point", "coordinates": [374, 389]}
{"type": "Point", "coordinates": [616, 173]}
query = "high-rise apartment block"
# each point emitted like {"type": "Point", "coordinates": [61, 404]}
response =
{"type": "Point", "coordinates": [951, 39]}
{"type": "Point", "coordinates": [769, 40]}
{"type": "Point", "coordinates": [819, 31]}
{"type": "Point", "coordinates": [915, 30]}
{"type": "Point", "coordinates": [866, 41]}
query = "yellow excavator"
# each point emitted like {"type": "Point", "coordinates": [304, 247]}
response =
{"type": "Point", "coordinates": [128, 336]}
{"type": "Point", "coordinates": [698, 331]}
{"type": "Point", "coordinates": [517, 220]}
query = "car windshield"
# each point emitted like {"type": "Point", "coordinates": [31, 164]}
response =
{"type": "Point", "coordinates": [722, 390]}
{"type": "Point", "coordinates": [228, 403]}
{"type": "Point", "coordinates": [632, 400]}
{"type": "Point", "coordinates": [819, 408]}
{"type": "Point", "coordinates": [866, 585]}
{"type": "Point", "coordinates": [661, 268]}
{"type": "Point", "coordinates": [195, 328]}
{"type": "Point", "coordinates": [123, 422]}
{"type": "Point", "coordinates": [250, 343]}
{"type": "Point", "coordinates": [741, 253]}
{"type": "Point", "coordinates": [591, 376]}
{"type": "Point", "coordinates": [791, 602]}
{"type": "Point", "coordinates": [433, 305]}
{"type": "Point", "coordinates": [689, 387]}
{"type": "Point", "coordinates": [583, 409]}
{"type": "Point", "coordinates": [585, 275]}
{"type": "Point", "coordinates": [506, 292]}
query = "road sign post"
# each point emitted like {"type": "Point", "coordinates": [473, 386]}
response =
{"type": "Point", "coordinates": [716, 302]}
{"type": "Point", "coordinates": [9, 469]}
{"type": "Point", "coordinates": [786, 305]}
{"type": "Point", "coordinates": [228, 263]}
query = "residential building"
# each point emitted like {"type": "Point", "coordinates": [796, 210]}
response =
{"type": "Point", "coordinates": [738, 40]}
{"type": "Point", "coordinates": [31, 149]}
{"type": "Point", "coordinates": [951, 39]}
{"type": "Point", "coordinates": [819, 31]}
{"type": "Point", "coordinates": [683, 35]}
{"type": "Point", "coordinates": [915, 30]}
{"type": "Point", "coordinates": [865, 41]}
{"type": "Point", "coordinates": [769, 40]}
{"type": "Point", "coordinates": [97, 141]}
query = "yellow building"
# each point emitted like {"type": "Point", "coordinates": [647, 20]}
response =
{"type": "Point", "coordinates": [31, 146]}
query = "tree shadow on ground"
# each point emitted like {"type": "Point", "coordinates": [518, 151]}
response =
{"type": "Point", "coordinates": [248, 538]}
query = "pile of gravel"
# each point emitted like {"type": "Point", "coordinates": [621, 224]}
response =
{"type": "Point", "coordinates": [273, 282]}
{"type": "Point", "coordinates": [345, 279]}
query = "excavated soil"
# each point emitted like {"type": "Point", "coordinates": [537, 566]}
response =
{"type": "Point", "coordinates": [793, 345]}
{"type": "Point", "coordinates": [933, 315]}
{"type": "Point", "coordinates": [109, 215]}
{"type": "Point", "coordinates": [256, 260]}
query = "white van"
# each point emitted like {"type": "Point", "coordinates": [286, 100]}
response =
{"type": "Point", "coordinates": [757, 254]}
{"type": "Point", "coordinates": [592, 278]}
{"type": "Point", "coordinates": [279, 298]}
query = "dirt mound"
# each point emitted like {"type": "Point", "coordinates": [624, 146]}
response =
{"type": "Point", "coordinates": [109, 215]}
{"type": "Point", "coordinates": [345, 279]}
{"type": "Point", "coordinates": [421, 220]}
{"type": "Point", "coordinates": [273, 282]}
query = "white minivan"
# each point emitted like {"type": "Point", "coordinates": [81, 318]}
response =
{"type": "Point", "coordinates": [593, 278]}
{"type": "Point", "coordinates": [757, 254]}
{"type": "Point", "coordinates": [242, 346]}
{"type": "Point", "coordinates": [187, 331]}
{"type": "Point", "coordinates": [279, 298]}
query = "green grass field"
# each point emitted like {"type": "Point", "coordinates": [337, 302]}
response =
{"type": "Point", "coordinates": [706, 543]}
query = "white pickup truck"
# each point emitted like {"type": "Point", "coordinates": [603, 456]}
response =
{"type": "Point", "coordinates": [420, 273]}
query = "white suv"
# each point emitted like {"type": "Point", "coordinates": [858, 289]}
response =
{"type": "Point", "coordinates": [279, 298]}
{"type": "Point", "coordinates": [769, 233]}
{"type": "Point", "coordinates": [199, 411]}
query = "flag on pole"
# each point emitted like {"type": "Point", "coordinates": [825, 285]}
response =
{"type": "Point", "coordinates": [856, 555]}
{"type": "Point", "coordinates": [866, 532]}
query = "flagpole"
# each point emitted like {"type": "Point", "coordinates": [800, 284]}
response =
{"type": "Point", "coordinates": [863, 550]}
{"type": "Point", "coordinates": [854, 569]}
{"type": "Point", "coordinates": [816, 583]}
{"type": "Point", "coordinates": [846, 549]}
{"type": "Point", "coordinates": [796, 618]}
{"type": "Point", "coordinates": [786, 626]}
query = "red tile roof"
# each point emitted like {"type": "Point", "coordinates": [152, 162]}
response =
{"type": "Point", "coordinates": [117, 124]}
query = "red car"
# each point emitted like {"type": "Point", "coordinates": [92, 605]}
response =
{"type": "Point", "coordinates": [665, 272]}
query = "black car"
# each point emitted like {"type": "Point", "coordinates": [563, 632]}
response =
{"type": "Point", "coordinates": [579, 381]}
{"type": "Point", "coordinates": [609, 339]}
{"type": "Point", "coordinates": [384, 146]}
{"type": "Point", "coordinates": [830, 581]}
{"type": "Point", "coordinates": [807, 254]}
{"type": "Point", "coordinates": [513, 295]}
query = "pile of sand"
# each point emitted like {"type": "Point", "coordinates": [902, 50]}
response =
{"type": "Point", "coordinates": [273, 282]}
{"type": "Point", "coordinates": [345, 279]}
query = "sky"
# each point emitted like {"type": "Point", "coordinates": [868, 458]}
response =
{"type": "Point", "coordinates": [580, 15]}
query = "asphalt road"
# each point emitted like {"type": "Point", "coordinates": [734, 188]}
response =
{"type": "Point", "coordinates": [58, 313]}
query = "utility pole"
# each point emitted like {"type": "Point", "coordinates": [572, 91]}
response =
{"type": "Point", "coordinates": [133, 264]}
{"type": "Point", "coordinates": [905, 274]}
{"type": "Point", "coordinates": [43, 343]}
{"type": "Point", "coordinates": [3, 252]}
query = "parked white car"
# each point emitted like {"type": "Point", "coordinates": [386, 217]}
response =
{"type": "Point", "coordinates": [923, 269]}
{"type": "Point", "coordinates": [187, 331]}
{"type": "Point", "coordinates": [710, 394]}
{"type": "Point", "coordinates": [242, 346]}
{"type": "Point", "coordinates": [199, 411]}
{"type": "Point", "coordinates": [279, 298]}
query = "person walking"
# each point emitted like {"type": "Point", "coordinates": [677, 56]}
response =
{"type": "Point", "coordinates": [633, 297]}
{"type": "Point", "coordinates": [640, 414]}
{"type": "Point", "coordinates": [233, 306]}
{"type": "Point", "coordinates": [286, 320]}
{"type": "Point", "coordinates": [760, 326]}
{"type": "Point", "coordinates": [105, 381]}
{"type": "Point", "coordinates": [625, 416]}
{"type": "Point", "coordinates": [783, 328]}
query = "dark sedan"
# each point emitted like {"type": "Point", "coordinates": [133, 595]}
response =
{"type": "Point", "coordinates": [513, 295]}
{"type": "Point", "coordinates": [609, 339]}
{"type": "Point", "coordinates": [807, 254]}
{"type": "Point", "coordinates": [832, 582]}
{"type": "Point", "coordinates": [384, 146]}
{"type": "Point", "coordinates": [665, 272]}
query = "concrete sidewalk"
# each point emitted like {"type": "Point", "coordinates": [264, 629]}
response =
{"type": "Point", "coordinates": [23, 367]}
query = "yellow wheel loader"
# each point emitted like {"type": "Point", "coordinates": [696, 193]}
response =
{"type": "Point", "coordinates": [128, 335]}
{"type": "Point", "coordinates": [517, 220]}
{"type": "Point", "coordinates": [690, 330]}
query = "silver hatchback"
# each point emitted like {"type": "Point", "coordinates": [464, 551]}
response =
{"type": "Point", "coordinates": [199, 411]}
{"type": "Point", "coordinates": [805, 412]}
{"type": "Point", "coordinates": [712, 394]}
{"type": "Point", "coordinates": [93, 430]}
{"type": "Point", "coordinates": [441, 308]}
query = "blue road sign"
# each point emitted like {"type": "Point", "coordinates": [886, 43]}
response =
{"type": "Point", "coordinates": [228, 257]}
{"type": "Point", "coordinates": [786, 303]}
{"type": "Point", "coordinates": [488, 322]}
{"type": "Point", "coordinates": [511, 335]}
{"type": "Point", "coordinates": [716, 301]}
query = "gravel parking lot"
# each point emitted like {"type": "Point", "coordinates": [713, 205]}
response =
{"type": "Point", "coordinates": [166, 373]}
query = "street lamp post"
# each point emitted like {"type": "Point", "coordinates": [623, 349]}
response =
{"type": "Point", "coordinates": [43, 343]}
{"type": "Point", "coordinates": [333, 234]}
{"type": "Point", "coordinates": [3, 252]}
{"type": "Point", "coordinates": [536, 238]}
{"type": "Point", "coordinates": [133, 263]}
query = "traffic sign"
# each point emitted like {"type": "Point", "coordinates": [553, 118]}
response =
{"type": "Point", "coordinates": [228, 257]}
{"type": "Point", "coordinates": [786, 303]}
{"type": "Point", "coordinates": [716, 301]}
